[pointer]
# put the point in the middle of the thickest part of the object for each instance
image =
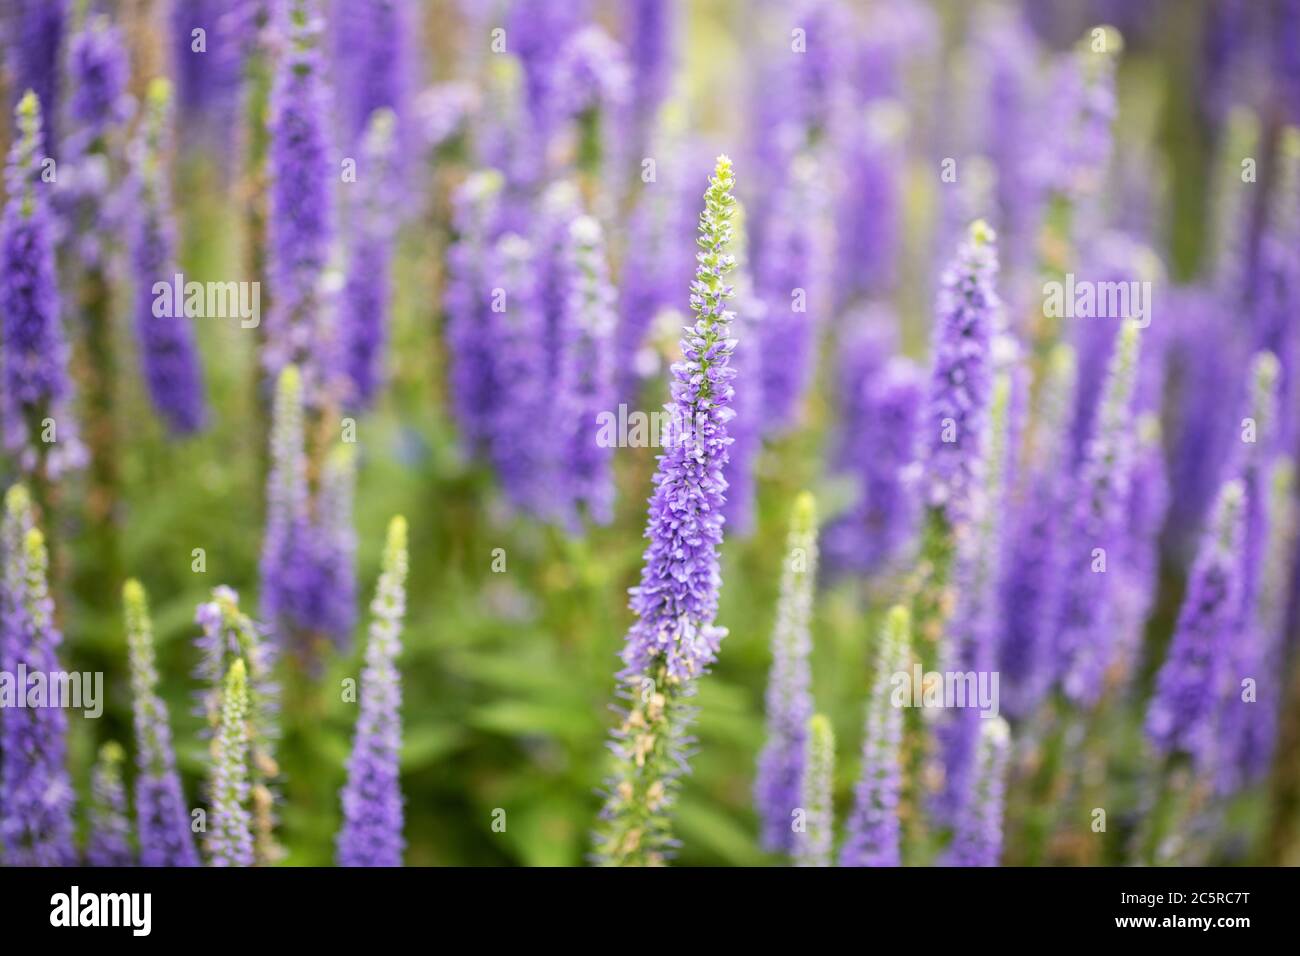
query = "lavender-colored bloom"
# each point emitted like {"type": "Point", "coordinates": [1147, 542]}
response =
{"type": "Point", "coordinates": [650, 43]}
{"type": "Point", "coordinates": [873, 831]}
{"type": "Point", "coordinates": [1076, 119]}
{"type": "Point", "coordinates": [676, 601]}
{"type": "Point", "coordinates": [977, 832]}
{"type": "Point", "coordinates": [1111, 258]}
{"type": "Point", "coordinates": [230, 837]}
{"type": "Point", "coordinates": [1246, 654]}
{"type": "Point", "coordinates": [36, 795]}
{"type": "Point", "coordinates": [168, 353]}
{"type": "Point", "coordinates": [814, 842]}
{"type": "Point", "coordinates": [162, 818]}
{"type": "Point", "coordinates": [778, 787]}
{"type": "Point", "coordinates": [793, 288]}
{"type": "Point", "coordinates": [894, 35]}
{"type": "Point", "coordinates": [475, 392]}
{"type": "Point", "coordinates": [1253, 750]}
{"type": "Point", "coordinates": [335, 546]}
{"type": "Point", "coordinates": [875, 531]}
{"type": "Point", "coordinates": [1031, 578]}
{"type": "Point", "coordinates": [518, 449]}
{"type": "Point", "coordinates": [538, 30]}
{"type": "Point", "coordinates": [229, 636]}
{"type": "Point", "coordinates": [372, 59]}
{"type": "Point", "coordinates": [367, 293]}
{"type": "Point", "coordinates": [307, 563]}
{"type": "Point", "coordinates": [1207, 364]}
{"type": "Point", "coordinates": [587, 373]}
{"type": "Point", "coordinates": [301, 221]}
{"type": "Point", "coordinates": [674, 638]}
{"type": "Point", "coordinates": [968, 315]}
{"type": "Point", "coordinates": [98, 73]}
{"type": "Point", "coordinates": [1086, 626]}
{"type": "Point", "coordinates": [970, 644]}
{"type": "Point", "coordinates": [110, 831]}
{"type": "Point", "coordinates": [290, 584]}
{"type": "Point", "coordinates": [1004, 57]}
{"type": "Point", "coordinates": [869, 216]}
{"type": "Point", "coordinates": [1181, 713]}
{"type": "Point", "coordinates": [1148, 504]}
{"type": "Point", "coordinates": [654, 269]}
{"type": "Point", "coordinates": [35, 355]}
{"type": "Point", "coordinates": [372, 798]}
{"type": "Point", "coordinates": [1278, 278]}
{"type": "Point", "coordinates": [35, 31]}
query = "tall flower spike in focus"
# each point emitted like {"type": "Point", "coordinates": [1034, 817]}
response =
{"type": "Point", "coordinates": [229, 635]}
{"type": "Point", "coordinates": [814, 845]}
{"type": "Point", "coordinates": [587, 370]}
{"type": "Point", "coordinates": [230, 836]}
{"type": "Point", "coordinates": [872, 835]}
{"type": "Point", "coordinates": [778, 786]}
{"type": "Point", "coordinates": [977, 832]}
{"type": "Point", "coordinates": [36, 795]}
{"type": "Point", "coordinates": [162, 817]}
{"type": "Point", "coordinates": [367, 292]}
{"type": "Point", "coordinates": [110, 831]}
{"type": "Point", "coordinates": [1085, 631]}
{"type": "Point", "coordinates": [674, 638]}
{"type": "Point", "coordinates": [1180, 716]}
{"type": "Point", "coordinates": [301, 219]}
{"type": "Point", "coordinates": [372, 798]}
{"type": "Point", "coordinates": [168, 354]}
{"type": "Point", "coordinates": [39, 429]}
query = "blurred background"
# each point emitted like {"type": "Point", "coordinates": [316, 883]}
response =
{"type": "Point", "coordinates": [508, 676]}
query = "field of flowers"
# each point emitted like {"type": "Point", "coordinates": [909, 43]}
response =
{"type": "Point", "coordinates": [731, 432]}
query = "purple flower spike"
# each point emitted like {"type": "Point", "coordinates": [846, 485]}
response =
{"type": "Point", "coordinates": [230, 838]}
{"type": "Point", "coordinates": [110, 831]}
{"type": "Point", "coordinates": [372, 797]}
{"type": "Point", "coordinates": [674, 638]}
{"type": "Point", "coordinates": [873, 828]}
{"type": "Point", "coordinates": [36, 795]}
{"type": "Point", "coordinates": [794, 289]}
{"type": "Point", "coordinates": [162, 817]}
{"type": "Point", "coordinates": [1032, 581]}
{"type": "Point", "coordinates": [35, 31]}
{"type": "Point", "coordinates": [475, 394]}
{"type": "Point", "coordinates": [367, 293]}
{"type": "Point", "coordinates": [1181, 713]}
{"type": "Point", "coordinates": [968, 315]}
{"type": "Point", "coordinates": [977, 833]}
{"type": "Point", "coordinates": [168, 353]}
{"type": "Point", "coordinates": [587, 372]}
{"type": "Point", "coordinates": [1086, 628]}
{"type": "Point", "coordinates": [778, 787]}
{"type": "Point", "coordinates": [301, 220]}
{"type": "Point", "coordinates": [35, 354]}
{"type": "Point", "coordinates": [372, 61]}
